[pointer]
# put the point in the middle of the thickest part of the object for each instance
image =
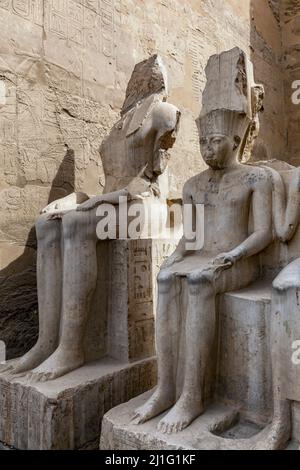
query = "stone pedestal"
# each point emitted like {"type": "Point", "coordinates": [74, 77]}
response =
{"type": "Point", "coordinates": [205, 433]}
{"type": "Point", "coordinates": [66, 413]}
{"type": "Point", "coordinates": [243, 386]}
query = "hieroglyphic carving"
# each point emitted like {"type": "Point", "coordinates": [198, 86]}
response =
{"type": "Point", "coordinates": [76, 21]}
{"type": "Point", "coordinates": [107, 16]}
{"type": "Point", "coordinates": [37, 11]}
{"type": "Point", "coordinates": [31, 10]}
{"type": "Point", "coordinates": [21, 8]}
{"type": "Point", "coordinates": [197, 51]}
{"type": "Point", "coordinates": [145, 258]}
{"type": "Point", "coordinates": [195, 45]}
{"type": "Point", "coordinates": [140, 271]}
{"type": "Point", "coordinates": [5, 4]}
{"type": "Point", "coordinates": [7, 129]}
{"type": "Point", "coordinates": [141, 307]}
{"type": "Point", "coordinates": [90, 24]}
{"type": "Point", "coordinates": [8, 162]}
{"type": "Point", "coordinates": [57, 21]}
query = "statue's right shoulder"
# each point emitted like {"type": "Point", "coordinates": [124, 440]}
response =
{"type": "Point", "coordinates": [193, 184]}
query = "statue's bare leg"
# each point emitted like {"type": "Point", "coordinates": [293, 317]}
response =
{"type": "Point", "coordinates": [79, 282]}
{"type": "Point", "coordinates": [200, 330]}
{"type": "Point", "coordinates": [49, 280]}
{"type": "Point", "coordinates": [164, 395]}
{"type": "Point", "coordinates": [277, 434]}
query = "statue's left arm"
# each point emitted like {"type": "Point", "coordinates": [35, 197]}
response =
{"type": "Point", "coordinates": [262, 234]}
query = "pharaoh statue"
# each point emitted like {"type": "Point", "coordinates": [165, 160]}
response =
{"type": "Point", "coordinates": [135, 157]}
{"type": "Point", "coordinates": [237, 202]}
{"type": "Point", "coordinates": [285, 310]}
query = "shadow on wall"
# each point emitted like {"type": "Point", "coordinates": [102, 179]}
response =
{"type": "Point", "coordinates": [18, 291]}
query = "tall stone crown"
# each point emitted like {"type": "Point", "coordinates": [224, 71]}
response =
{"type": "Point", "coordinates": [231, 99]}
{"type": "Point", "coordinates": [149, 77]}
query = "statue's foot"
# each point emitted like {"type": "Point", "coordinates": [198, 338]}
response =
{"type": "Point", "coordinates": [30, 360]}
{"type": "Point", "coordinates": [181, 415]}
{"type": "Point", "coordinates": [161, 400]}
{"type": "Point", "coordinates": [273, 437]}
{"type": "Point", "coordinates": [59, 363]}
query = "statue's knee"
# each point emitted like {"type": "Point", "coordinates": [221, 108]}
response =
{"type": "Point", "coordinates": [78, 226]}
{"type": "Point", "coordinates": [40, 224]}
{"type": "Point", "coordinates": [200, 277]}
{"type": "Point", "coordinates": [285, 282]}
{"type": "Point", "coordinates": [47, 231]}
{"type": "Point", "coordinates": [71, 225]}
{"type": "Point", "coordinates": [164, 281]}
{"type": "Point", "coordinates": [199, 281]}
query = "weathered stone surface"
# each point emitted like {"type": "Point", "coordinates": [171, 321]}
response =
{"type": "Point", "coordinates": [252, 364]}
{"type": "Point", "coordinates": [290, 25]}
{"type": "Point", "coordinates": [275, 7]}
{"type": "Point", "coordinates": [77, 319]}
{"type": "Point", "coordinates": [120, 331]}
{"type": "Point", "coordinates": [67, 413]}
{"type": "Point", "coordinates": [118, 432]}
{"type": "Point", "coordinates": [266, 47]}
{"type": "Point", "coordinates": [233, 423]}
{"type": "Point", "coordinates": [244, 377]}
{"type": "Point", "coordinates": [227, 260]}
{"type": "Point", "coordinates": [64, 66]}
{"type": "Point", "coordinates": [63, 70]}
{"type": "Point", "coordinates": [132, 292]}
{"type": "Point", "coordinates": [290, 8]}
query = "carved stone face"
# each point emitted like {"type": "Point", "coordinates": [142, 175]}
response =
{"type": "Point", "coordinates": [218, 150]}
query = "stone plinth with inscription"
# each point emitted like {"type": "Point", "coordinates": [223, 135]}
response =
{"type": "Point", "coordinates": [67, 413]}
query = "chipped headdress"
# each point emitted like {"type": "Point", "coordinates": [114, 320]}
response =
{"type": "Point", "coordinates": [231, 99]}
{"type": "Point", "coordinates": [149, 77]}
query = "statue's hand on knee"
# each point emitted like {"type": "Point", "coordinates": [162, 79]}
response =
{"type": "Point", "coordinates": [65, 204]}
{"type": "Point", "coordinates": [138, 189]}
{"type": "Point", "coordinates": [227, 260]}
{"type": "Point", "coordinates": [57, 215]}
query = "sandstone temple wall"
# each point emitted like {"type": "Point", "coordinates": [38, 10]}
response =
{"type": "Point", "coordinates": [266, 55]}
{"type": "Point", "coordinates": [290, 21]}
{"type": "Point", "coordinates": [64, 65]}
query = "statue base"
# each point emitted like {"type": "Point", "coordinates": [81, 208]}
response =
{"type": "Point", "coordinates": [66, 413]}
{"type": "Point", "coordinates": [219, 428]}
{"type": "Point", "coordinates": [242, 381]}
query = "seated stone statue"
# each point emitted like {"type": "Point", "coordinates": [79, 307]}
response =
{"type": "Point", "coordinates": [232, 194]}
{"type": "Point", "coordinates": [134, 156]}
{"type": "Point", "coordinates": [285, 309]}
